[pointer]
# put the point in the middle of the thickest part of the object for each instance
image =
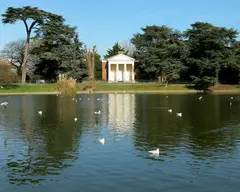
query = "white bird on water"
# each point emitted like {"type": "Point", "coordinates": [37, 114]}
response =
{"type": "Point", "coordinates": [154, 152]}
{"type": "Point", "coordinates": [170, 110]}
{"type": "Point", "coordinates": [230, 103]}
{"type": "Point", "coordinates": [179, 114]}
{"type": "Point", "coordinates": [40, 112]}
{"type": "Point", "coordinates": [231, 97]}
{"type": "Point", "coordinates": [102, 141]}
{"type": "Point", "coordinates": [5, 104]}
{"type": "Point", "coordinates": [98, 99]}
{"type": "Point", "coordinates": [75, 119]}
{"type": "Point", "coordinates": [200, 98]}
{"type": "Point", "coordinates": [97, 112]}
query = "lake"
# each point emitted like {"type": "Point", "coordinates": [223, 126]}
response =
{"type": "Point", "coordinates": [199, 151]}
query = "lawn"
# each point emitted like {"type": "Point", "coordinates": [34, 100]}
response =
{"type": "Point", "coordinates": [17, 88]}
{"type": "Point", "coordinates": [108, 87]}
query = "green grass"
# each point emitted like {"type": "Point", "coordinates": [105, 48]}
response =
{"type": "Point", "coordinates": [17, 88]}
{"type": "Point", "coordinates": [103, 86]}
{"type": "Point", "coordinates": [136, 87]}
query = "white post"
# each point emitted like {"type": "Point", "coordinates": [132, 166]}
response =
{"type": "Point", "coordinates": [124, 72]}
{"type": "Point", "coordinates": [116, 72]}
{"type": "Point", "coordinates": [133, 78]}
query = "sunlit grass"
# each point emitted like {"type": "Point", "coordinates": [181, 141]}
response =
{"type": "Point", "coordinates": [104, 87]}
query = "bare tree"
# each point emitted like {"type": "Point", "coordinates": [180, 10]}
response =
{"type": "Point", "coordinates": [128, 47]}
{"type": "Point", "coordinates": [14, 53]}
{"type": "Point", "coordinates": [90, 59]}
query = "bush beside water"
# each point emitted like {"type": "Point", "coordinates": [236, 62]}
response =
{"type": "Point", "coordinates": [66, 85]}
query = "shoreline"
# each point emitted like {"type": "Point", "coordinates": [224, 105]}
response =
{"type": "Point", "coordinates": [127, 92]}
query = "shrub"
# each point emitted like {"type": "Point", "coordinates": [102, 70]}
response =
{"type": "Point", "coordinates": [66, 85]}
{"type": "Point", "coordinates": [88, 88]}
{"type": "Point", "coordinates": [7, 76]}
{"type": "Point", "coordinates": [204, 83]}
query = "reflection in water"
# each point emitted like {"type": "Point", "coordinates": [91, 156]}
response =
{"type": "Point", "coordinates": [121, 110]}
{"type": "Point", "coordinates": [196, 150]}
{"type": "Point", "coordinates": [50, 140]}
{"type": "Point", "coordinates": [198, 133]}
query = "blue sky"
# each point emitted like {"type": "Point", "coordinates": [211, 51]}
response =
{"type": "Point", "coordinates": [103, 22]}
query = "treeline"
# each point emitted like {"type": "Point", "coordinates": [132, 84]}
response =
{"type": "Point", "coordinates": [203, 55]}
{"type": "Point", "coordinates": [52, 47]}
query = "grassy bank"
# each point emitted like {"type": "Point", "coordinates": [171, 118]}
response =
{"type": "Point", "coordinates": [109, 87]}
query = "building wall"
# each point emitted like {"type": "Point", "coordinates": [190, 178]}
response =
{"type": "Point", "coordinates": [104, 71]}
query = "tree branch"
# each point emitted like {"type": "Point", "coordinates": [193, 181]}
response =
{"type": "Point", "coordinates": [26, 25]}
{"type": "Point", "coordinates": [32, 25]}
{"type": "Point", "coordinates": [13, 64]}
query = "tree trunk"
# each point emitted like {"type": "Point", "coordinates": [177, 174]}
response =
{"type": "Point", "coordinates": [24, 65]}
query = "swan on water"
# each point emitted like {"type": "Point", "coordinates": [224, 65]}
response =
{"type": "Point", "coordinates": [179, 114]}
{"type": "Point", "coordinates": [102, 141]}
{"type": "Point", "coordinates": [5, 104]}
{"type": "Point", "coordinates": [97, 112]}
{"type": "Point", "coordinates": [154, 152]}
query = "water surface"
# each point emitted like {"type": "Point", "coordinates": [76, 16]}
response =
{"type": "Point", "coordinates": [199, 151]}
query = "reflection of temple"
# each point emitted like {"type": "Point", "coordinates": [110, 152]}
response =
{"type": "Point", "coordinates": [121, 110]}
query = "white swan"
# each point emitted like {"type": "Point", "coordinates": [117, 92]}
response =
{"type": "Point", "coordinates": [179, 114]}
{"type": "Point", "coordinates": [170, 110]}
{"type": "Point", "coordinates": [4, 104]}
{"type": "Point", "coordinates": [154, 152]}
{"type": "Point", "coordinates": [102, 141]}
{"type": "Point", "coordinates": [97, 112]}
{"type": "Point", "coordinates": [40, 112]}
{"type": "Point", "coordinates": [75, 119]}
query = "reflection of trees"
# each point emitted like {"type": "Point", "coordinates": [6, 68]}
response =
{"type": "Point", "coordinates": [52, 139]}
{"type": "Point", "coordinates": [153, 128]}
{"type": "Point", "coordinates": [203, 130]}
{"type": "Point", "coordinates": [89, 104]}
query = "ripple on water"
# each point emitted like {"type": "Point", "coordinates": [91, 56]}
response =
{"type": "Point", "coordinates": [199, 152]}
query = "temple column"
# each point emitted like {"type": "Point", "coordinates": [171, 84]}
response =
{"type": "Point", "coordinates": [116, 72]}
{"type": "Point", "coordinates": [124, 72]}
{"type": "Point", "coordinates": [133, 78]}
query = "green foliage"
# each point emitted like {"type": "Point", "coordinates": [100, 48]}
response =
{"type": "Point", "coordinates": [211, 48]}
{"type": "Point", "coordinates": [114, 50]}
{"type": "Point", "coordinates": [161, 52]}
{"type": "Point", "coordinates": [98, 66]}
{"type": "Point", "coordinates": [203, 83]}
{"type": "Point", "coordinates": [26, 13]}
{"type": "Point", "coordinates": [7, 76]}
{"type": "Point", "coordinates": [37, 19]}
{"type": "Point", "coordinates": [59, 51]}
